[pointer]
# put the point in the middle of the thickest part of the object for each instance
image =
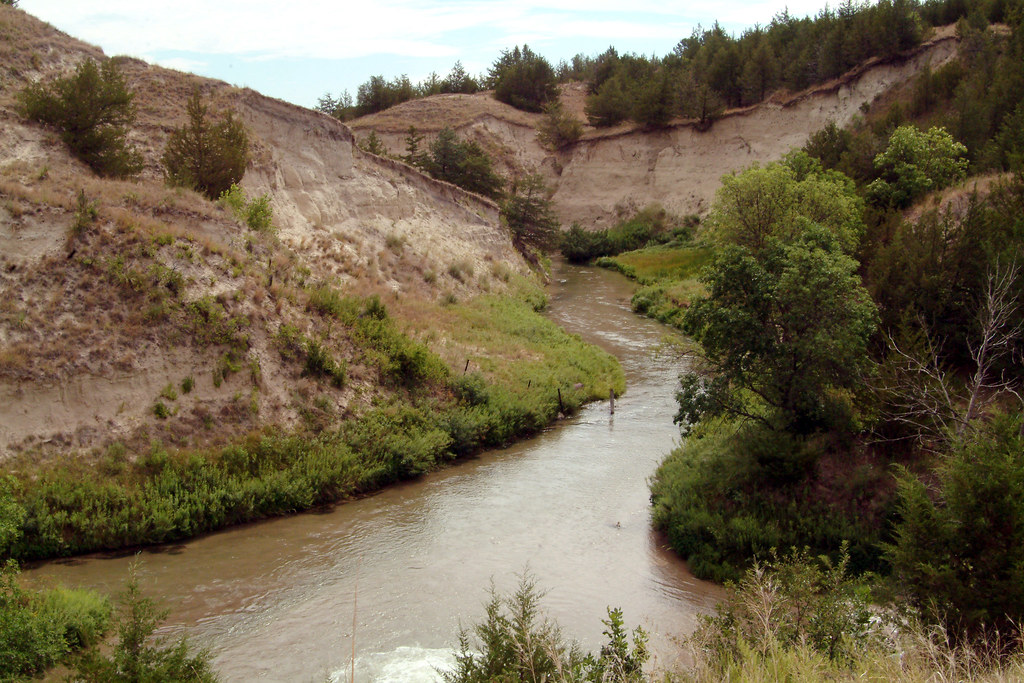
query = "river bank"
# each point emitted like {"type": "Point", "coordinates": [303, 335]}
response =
{"type": "Point", "coordinates": [277, 600]}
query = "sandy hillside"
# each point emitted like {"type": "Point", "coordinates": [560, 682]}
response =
{"type": "Point", "coordinates": [99, 325]}
{"type": "Point", "coordinates": [623, 169]}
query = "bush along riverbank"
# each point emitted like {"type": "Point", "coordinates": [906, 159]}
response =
{"type": "Point", "coordinates": [654, 248]}
{"type": "Point", "coordinates": [430, 417]}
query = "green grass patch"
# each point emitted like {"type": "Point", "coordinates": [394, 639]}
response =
{"type": "Point", "coordinates": [667, 275]}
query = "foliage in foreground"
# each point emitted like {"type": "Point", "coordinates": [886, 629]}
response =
{"type": "Point", "coordinates": [38, 630]}
{"type": "Point", "coordinates": [517, 643]}
{"type": "Point", "coordinates": [958, 552]}
{"type": "Point", "coordinates": [138, 656]}
{"type": "Point", "coordinates": [92, 109]}
{"type": "Point", "coordinates": [801, 619]}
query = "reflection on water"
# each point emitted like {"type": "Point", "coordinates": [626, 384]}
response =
{"type": "Point", "coordinates": [278, 600]}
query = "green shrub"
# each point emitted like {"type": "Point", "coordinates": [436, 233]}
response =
{"type": "Point", "coordinates": [86, 214]}
{"type": "Point", "coordinates": [256, 213]}
{"type": "Point", "coordinates": [730, 494]}
{"type": "Point", "coordinates": [516, 642]}
{"type": "Point", "coordinates": [92, 109]}
{"type": "Point", "coordinates": [40, 629]}
{"type": "Point", "coordinates": [650, 225]}
{"type": "Point", "coordinates": [558, 129]}
{"type": "Point", "coordinates": [28, 644]}
{"type": "Point", "coordinates": [12, 514]}
{"type": "Point", "coordinates": [81, 616]}
{"type": "Point", "coordinates": [787, 603]}
{"type": "Point", "coordinates": [259, 214]}
{"type": "Point", "coordinates": [204, 155]}
{"type": "Point", "coordinates": [319, 362]}
{"type": "Point", "coordinates": [137, 655]}
{"type": "Point", "coordinates": [373, 144]}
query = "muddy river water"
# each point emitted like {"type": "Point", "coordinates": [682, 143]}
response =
{"type": "Point", "coordinates": [281, 600]}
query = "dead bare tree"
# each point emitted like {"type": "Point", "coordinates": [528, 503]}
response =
{"type": "Point", "coordinates": [927, 397]}
{"type": "Point", "coordinates": [997, 338]}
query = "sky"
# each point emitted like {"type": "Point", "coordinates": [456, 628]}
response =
{"type": "Point", "coordinates": [300, 49]}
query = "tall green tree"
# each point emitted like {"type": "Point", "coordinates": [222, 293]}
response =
{"type": "Point", "coordinates": [414, 156]}
{"type": "Point", "coordinates": [529, 214]}
{"type": "Point", "coordinates": [654, 103]}
{"type": "Point", "coordinates": [609, 105]}
{"type": "Point", "coordinates": [783, 332]}
{"type": "Point", "coordinates": [92, 109]}
{"type": "Point", "coordinates": [205, 155]}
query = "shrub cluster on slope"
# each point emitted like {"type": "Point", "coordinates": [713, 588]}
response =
{"type": "Point", "coordinates": [92, 109]}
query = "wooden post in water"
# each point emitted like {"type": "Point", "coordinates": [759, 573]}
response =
{"type": "Point", "coordinates": [611, 400]}
{"type": "Point", "coordinates": [560, 408]}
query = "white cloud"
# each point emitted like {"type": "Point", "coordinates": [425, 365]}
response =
{"type": "Point", "coordinates": [312, 29]}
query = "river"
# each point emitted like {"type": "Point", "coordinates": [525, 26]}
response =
{"type": "Point", "coordinates": [280, 600]}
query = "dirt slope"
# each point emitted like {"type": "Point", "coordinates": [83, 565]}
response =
{"type": "Point", "coordinates": [623, 169]}
{"type": "Point", "coordinates": [100, 325]}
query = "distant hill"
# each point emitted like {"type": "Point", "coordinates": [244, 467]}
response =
{"type": "Point", "coordinates": [616, 171]}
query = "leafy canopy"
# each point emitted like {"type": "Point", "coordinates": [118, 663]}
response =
{"type": "Point", "coordinates": [785, 324]}
{"type": "Point", "coordinates": [777, 200]}
{"type": "Point", "coordinates": [783, 330]}
{"type": "Point", "coordinates": [917, 162]}
{"type": "Point", "coordinates": [92, 109]}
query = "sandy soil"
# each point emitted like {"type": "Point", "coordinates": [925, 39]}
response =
{"type": "Point", "coordinates": [360, 223]}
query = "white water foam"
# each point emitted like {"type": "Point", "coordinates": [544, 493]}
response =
{"type": "Point", "coordinates": [403, 665]}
